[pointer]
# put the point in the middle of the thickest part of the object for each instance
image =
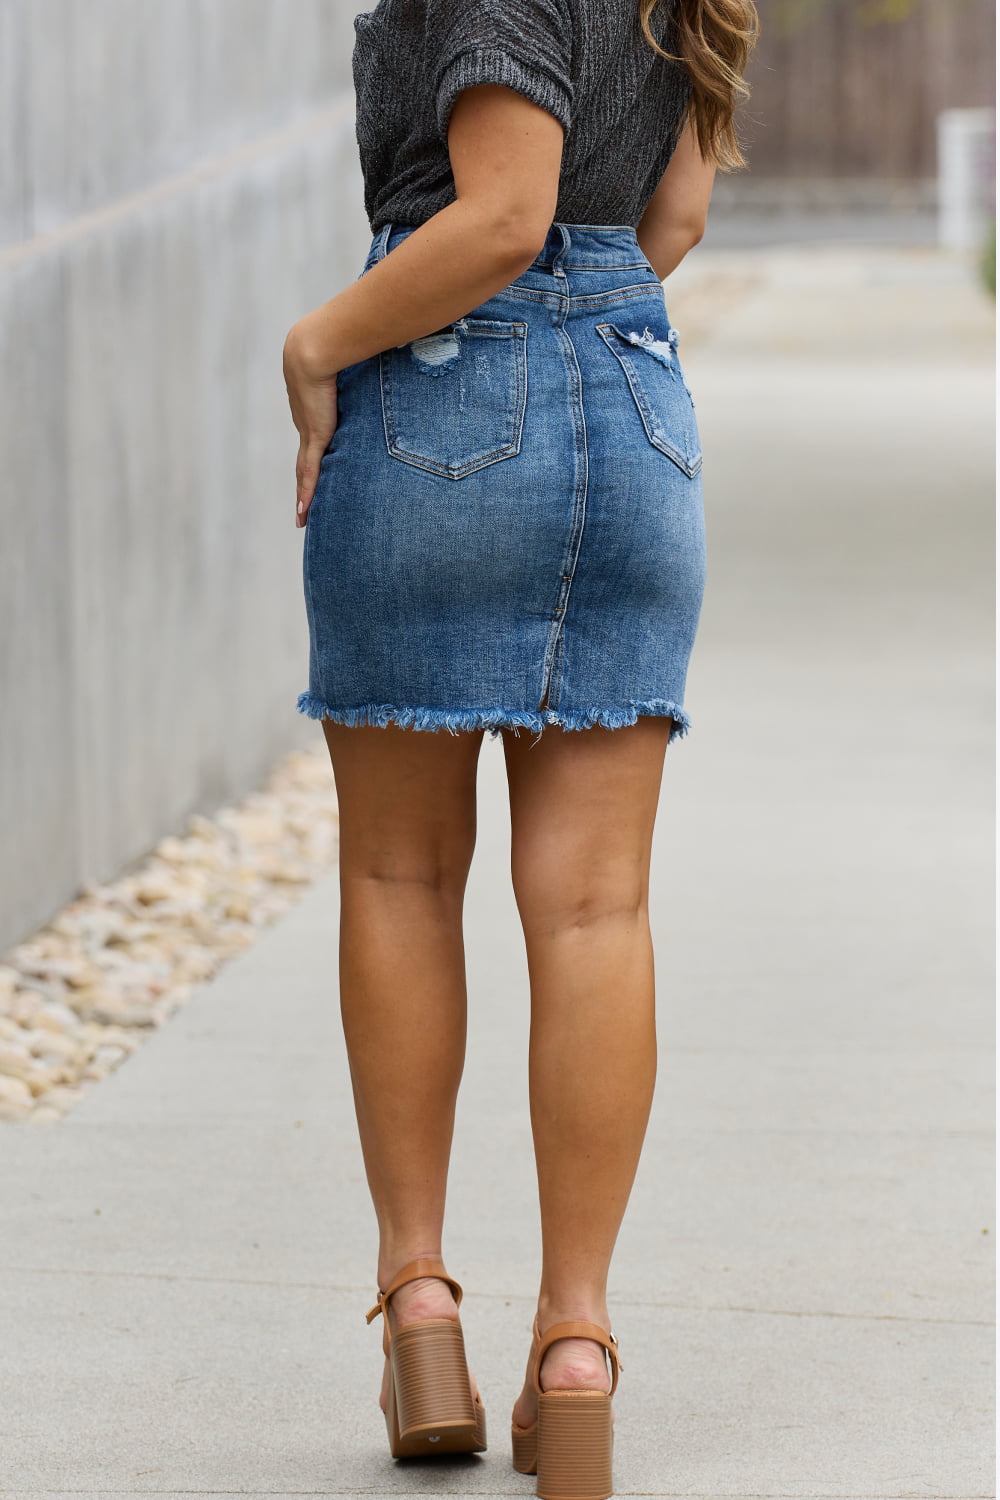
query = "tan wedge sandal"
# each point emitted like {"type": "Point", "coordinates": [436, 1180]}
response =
{"type": "Point", "coordinates": [569, 1447]}
{"type": "Point", "coordinates": [430, 1408]}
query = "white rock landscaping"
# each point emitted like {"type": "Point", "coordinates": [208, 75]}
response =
{"type": "Point", "coordinates": [78, 997]}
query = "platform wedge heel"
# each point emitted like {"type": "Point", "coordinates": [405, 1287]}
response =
{"type": "Point", "coordinates": [431, 1409]}
{"type": "Point", "coordinates": [570, 1447]}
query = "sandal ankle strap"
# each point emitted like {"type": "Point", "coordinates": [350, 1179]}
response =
{"type": "Point", "coordinates": [576, 1329]}
{"type": "Point", "coordinates": [414, 1271]}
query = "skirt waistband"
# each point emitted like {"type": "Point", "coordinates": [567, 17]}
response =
{"type": "Point", "coordinates": [570, 247]}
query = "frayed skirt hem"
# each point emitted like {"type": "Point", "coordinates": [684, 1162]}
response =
{"type": "Point", "coordinates": [463, 720]}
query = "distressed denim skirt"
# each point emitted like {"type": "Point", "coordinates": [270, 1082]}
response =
{"type": "Point", "coordinates": [508, 530]}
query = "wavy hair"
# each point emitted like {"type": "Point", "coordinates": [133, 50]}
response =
{"type": "Point", "coordinates": [715, 39]}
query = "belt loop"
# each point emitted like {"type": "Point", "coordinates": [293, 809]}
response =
{"type": "Point", "coordinates": [383, 241]}
{"type": "Point", "coordinates": [566, 243]}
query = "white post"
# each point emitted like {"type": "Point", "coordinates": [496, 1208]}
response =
{"type": "Point", "coordinates": [966, 147]}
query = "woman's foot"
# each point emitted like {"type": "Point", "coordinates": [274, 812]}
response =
{"type": "Point", "coordinates": [569, 1364]}
{"type": "Point", "coordinates": [413, 1303]}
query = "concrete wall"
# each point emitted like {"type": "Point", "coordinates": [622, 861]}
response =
{"type": "Point", "coordinates": [178, 183]}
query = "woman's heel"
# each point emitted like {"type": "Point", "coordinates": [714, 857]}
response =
{"type": "Point", "coordinates": [574, 1446]}
{"type": "Point", "coordinates": [430, 1409]}
{"type": "Point", "coordinates": [570, 1446]}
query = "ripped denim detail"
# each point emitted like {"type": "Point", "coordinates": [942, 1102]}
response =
{"type": "Point", "coordinates": [661, 349]}
{"type": "Point", "coordinates": [437, 353]}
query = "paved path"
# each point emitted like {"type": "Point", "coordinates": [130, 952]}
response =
{"type": "Point", "coordinates": [801, 1291]}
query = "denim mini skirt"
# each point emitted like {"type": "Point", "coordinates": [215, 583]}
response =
{"type": "Point", "coordinates": [508, 529]}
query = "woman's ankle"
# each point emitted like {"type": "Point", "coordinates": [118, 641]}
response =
{"type": "Point", "coordinates": [566, 1307]}
{"type": "Point", "coordinates": [393, 1257]}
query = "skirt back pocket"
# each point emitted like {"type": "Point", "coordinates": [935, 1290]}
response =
{"type": "Point", "coordinates": [454, 402]}
{"type": "Point", "coordinates": [660, 393]}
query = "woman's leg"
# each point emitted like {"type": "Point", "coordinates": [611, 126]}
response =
{"type": "Point", "coordinates": [583, 807]}
{"type": "Point", "coordinates": [407, 833]}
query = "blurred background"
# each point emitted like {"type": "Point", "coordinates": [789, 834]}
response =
{"type": "Point", "coordinates": [178, 183]}
{"type": "Point", "coordinates": [852, 128]}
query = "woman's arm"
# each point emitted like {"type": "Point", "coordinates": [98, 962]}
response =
{"type": "Point", "coordinates": [675, 218]}
{"type": "Point", "coordinates": [505, 154]}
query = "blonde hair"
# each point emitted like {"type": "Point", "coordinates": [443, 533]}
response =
{"type": "Point", "coordinates": [715, 38]}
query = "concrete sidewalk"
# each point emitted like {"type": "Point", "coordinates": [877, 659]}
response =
{"type": "Point", "coordinates": [802, 1286]}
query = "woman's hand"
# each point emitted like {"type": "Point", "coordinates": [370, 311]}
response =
{"type": "Point", "coordinates": [312, 396]}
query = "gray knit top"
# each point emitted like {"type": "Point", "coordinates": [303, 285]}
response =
{"type": "Point", "coordinates": [585, 61]}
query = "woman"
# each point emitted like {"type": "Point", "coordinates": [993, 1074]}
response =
{"type": "Point", "coordinates": [498, 474]}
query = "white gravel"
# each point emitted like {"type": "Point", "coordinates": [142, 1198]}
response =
{"type": "Point", "coordinates": [78, 997]}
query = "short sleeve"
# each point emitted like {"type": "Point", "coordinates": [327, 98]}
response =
{"type": "Point", "coordinates": [526, 45]}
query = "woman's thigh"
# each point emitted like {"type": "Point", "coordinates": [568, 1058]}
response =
{"type": "Point", "coordinates": [407, 802]}
{"type": "Point", "coordinates": [583, 806]}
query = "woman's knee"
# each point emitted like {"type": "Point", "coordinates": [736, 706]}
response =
{"type": "Point", "coordinates": [558, 894]}
{"type": "Point", "coordinates": [429, 856]}
{"type": "Point", "coordinates": [425, 871]}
